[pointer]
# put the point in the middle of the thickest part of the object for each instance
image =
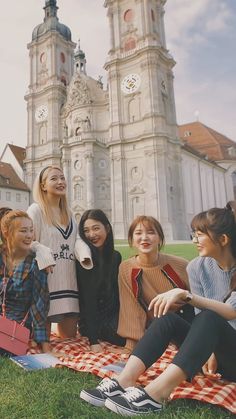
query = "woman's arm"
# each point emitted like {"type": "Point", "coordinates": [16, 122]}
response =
{"type": "Point", "coordinates": [44, 255]}
{"type": "Point", "coordinates": [83, 253]}
{"type": "Point", "coordinates": [40, 307]}
{"type": "Point", "coordinates": [162, 303]}
{"type": "Point", "coordinates": [132, 318]}
{"type": "Point", "coordinates": [88, 285]}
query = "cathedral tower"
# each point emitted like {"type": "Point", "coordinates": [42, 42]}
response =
{"type": "Point", "coordinates": [51, 68]}
{"type": "Point", "coordinates": [144, 148]}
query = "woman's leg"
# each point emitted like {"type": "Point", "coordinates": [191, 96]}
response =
{"type": "Point", "coordinates": [157, 337]}
{"type": "Point", "coordinates": [209, 333]}
{"type": "Point", "coordinates": [67, 328]}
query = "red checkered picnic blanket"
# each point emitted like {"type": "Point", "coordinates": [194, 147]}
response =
{"type": "Point", "coordinates": [78, 357]}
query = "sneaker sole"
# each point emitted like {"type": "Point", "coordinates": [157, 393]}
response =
{"type": "Point", "coordinates": [109, 404]}
{"type": "Point", "coordinates": [92, 400]}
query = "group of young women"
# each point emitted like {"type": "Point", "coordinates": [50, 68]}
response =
{"type": "Point", "coordinates": [72, 276]}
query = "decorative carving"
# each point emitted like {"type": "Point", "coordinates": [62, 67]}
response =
{"type": "Point", "coordinates": [137, 189]}
{"type": "Point", "coordinates": [78, 93]}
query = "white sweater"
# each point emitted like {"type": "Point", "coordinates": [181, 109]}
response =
{"type": "Point", "coordinates": [62, 282]}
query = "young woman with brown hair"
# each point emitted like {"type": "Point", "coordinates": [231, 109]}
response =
{"type": "Point", "coordinates": [145, 275]}
{"type": "Point", "coordinates": [26, 289]}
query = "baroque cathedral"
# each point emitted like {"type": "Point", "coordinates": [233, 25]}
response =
{"type": "Point", "coordinates": [119, 147]}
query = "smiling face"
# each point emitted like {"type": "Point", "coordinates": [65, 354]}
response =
{"type": "Point", "coordinates": [20, 235]}
{"type": "Point", "coordinates": [54, 183]}
{"type": "Point", "coordinates": [95, 232]}
{"type": "Point", "coordinates": [146, 239]}
{"type": "Point", "coordinates": [206, 246]}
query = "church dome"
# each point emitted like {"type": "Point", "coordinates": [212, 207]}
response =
{"type": "Point", "coordinates": [51, 23]}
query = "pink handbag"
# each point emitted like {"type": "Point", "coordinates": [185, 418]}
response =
{"type": "Point", "coordinates": [14, 336]}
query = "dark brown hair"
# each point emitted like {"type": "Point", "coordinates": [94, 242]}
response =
{"type": "Point", "coordinates": [218, 221]}
{"type": "Point", "coordinates": [147, 221]}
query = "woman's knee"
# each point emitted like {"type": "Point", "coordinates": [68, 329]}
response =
{"type": "Point", "coordinates": [209, 318]}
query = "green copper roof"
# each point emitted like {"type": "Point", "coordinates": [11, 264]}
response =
{"type": "Point", "coordinates": [51, 23]}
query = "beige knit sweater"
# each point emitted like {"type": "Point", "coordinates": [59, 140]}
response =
{"type": "Point", "coordinates": [132, 318]}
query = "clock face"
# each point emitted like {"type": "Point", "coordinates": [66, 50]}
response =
{"type": "Point", "coordinates": [130, 83]}
{"type": "Point", "coordinates": [41, 113]}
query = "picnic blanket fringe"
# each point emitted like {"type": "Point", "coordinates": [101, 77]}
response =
{"type": "Point", "coordinates": [76, 356]}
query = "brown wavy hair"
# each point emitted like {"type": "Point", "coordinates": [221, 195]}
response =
{"type": "Point", "coordinates": [149, 222]}
{"type": "Point", "coordinates": [218, 221]}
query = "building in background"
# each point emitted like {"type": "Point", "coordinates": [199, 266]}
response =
{"type": "Point", "coordinates": [119, 147]}
{"type": "Point", "coordinates": [14, 193]}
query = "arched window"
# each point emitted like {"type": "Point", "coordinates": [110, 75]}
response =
{"type": "Point", "coordinates": [128, 15]}
{"type": "Point", "coordinates": [78, 192]}
{"type": "Point", "coordinates": [130, 44]}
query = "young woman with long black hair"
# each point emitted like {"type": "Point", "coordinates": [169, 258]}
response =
{"type": "Point", "coordinates": [98, 287]}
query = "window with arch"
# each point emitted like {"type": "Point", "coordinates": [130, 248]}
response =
{"type": "Point", "coordinates": [78, 192]}
{"type": "Point", "coordinates": [128, 15]}
{"type": "Point", "coordinates": [152, 15]}
{"type": "Point", "coordinates": [63, 58]}
{"type": "Point", "coordinates": [130, 44]}
{"type": "Point", "coordinates": [63, 80]}
{"type": "Point", "coordinates": [43, 135]}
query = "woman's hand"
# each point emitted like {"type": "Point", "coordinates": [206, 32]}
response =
{"type": "Point", "coordinates": [49, 269]}
{"type": "Point", "coordinates": [210, 367]}
{"type": "Point", "coordinates": [164, 302]}
{"type": "Point", "coordinates": [120, 350]}
{"type": "Point", "coordinates": [46, 347]}
{"type": "Point", "coordinates": [96, 348]}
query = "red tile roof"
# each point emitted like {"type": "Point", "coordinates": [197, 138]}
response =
{"type": "Point", "coordinates": [19, 153]}
{"type": "Point", "coordinates": [207, 141]}
{"type": "Point", "coordinates": [9, 178]}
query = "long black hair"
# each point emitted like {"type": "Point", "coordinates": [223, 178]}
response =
{"type": "Point", "coordinates": [108, 247]}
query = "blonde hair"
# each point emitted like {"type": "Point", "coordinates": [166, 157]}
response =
{"type": "Point", "coordinates": [8, 224]}
{"type": "Point", "coordinates": [40, 197]}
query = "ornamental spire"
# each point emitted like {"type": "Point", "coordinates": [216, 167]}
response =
{"type": "Point", "coordinates": [50, 9]}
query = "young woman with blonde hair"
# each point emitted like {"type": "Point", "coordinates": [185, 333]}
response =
{"type": "Point", "coordinates": [56, 227]}
{"type": "Point", "coordinates": [26, 287]}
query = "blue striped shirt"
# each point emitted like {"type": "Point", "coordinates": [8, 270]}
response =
{"type": "Point", "coordinates": [208, 280]}
{"type": "Point", "coordinates": [27, 290]}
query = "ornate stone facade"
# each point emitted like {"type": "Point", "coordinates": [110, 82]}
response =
{"type": "Point", "coordinates": [119, 148]}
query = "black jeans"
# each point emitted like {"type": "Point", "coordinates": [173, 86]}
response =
{"type": "Point", "coordinates": [208, 333]}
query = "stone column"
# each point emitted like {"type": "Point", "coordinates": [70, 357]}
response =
{"type": "Point", "coordinates": [89, 179]}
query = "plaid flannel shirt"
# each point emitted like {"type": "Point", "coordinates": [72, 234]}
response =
{"type": "Point", "coordinates": [27, 291]}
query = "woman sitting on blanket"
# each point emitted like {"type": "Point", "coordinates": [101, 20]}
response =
{"type": "Point", "coordinates": [26, 286]}
{"type": "Point", "coordinates": [98, 287]}
{"type": "Point", "coordinates": [209, 343]}
{"type": "Point", "coordinates": [144, 276]}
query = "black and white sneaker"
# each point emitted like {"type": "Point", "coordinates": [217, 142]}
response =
{"type": "Point", "coordinates": [135, 401]}
{"type": "Point", "coordinates": [108, 387]}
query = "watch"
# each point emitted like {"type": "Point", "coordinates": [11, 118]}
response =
{"type": "Point", "coordinates": [130, 83]}
{"type": "Point", "coordinates": [41, 113]}
{"type": "Point", "coordinates": [188, 297]}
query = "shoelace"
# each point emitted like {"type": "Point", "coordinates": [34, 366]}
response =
{"type": "Point", "coordinates": [106, 384]}
{"type": "Point", "coordinates": [133, 394]}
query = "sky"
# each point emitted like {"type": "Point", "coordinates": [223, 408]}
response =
{"type": "Point", "coordinates": [200, 35]}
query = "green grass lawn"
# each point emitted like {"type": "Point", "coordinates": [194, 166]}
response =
{"type": "Point", "coordinates": [54, 393]}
